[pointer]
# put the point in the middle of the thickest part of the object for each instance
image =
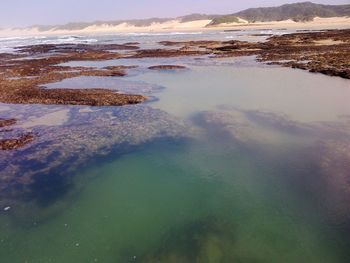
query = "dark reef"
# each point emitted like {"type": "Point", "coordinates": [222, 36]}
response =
{"type": "Point", "coordinates": [167, 67]}
{"type": "Point", "coordinates": [22, 75]}
{"type": "Point", "coordinates": [326, 52]}
{"type": "Point", "coordinates": [12, 144]}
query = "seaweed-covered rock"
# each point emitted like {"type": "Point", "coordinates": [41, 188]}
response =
{"type": "Point", "coordinates": [7, 122]}
{"type": "Point", "coordinates": [72, 138]}
{"type": "Point", "coordinates": [15, 143]}
{"type": "Point", "coordinates": [167, 67]}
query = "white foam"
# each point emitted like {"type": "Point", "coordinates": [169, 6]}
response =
{"type": "Point", "coordinates": [69, 40]}
{"type": "Point", "coordinates": [162, 34]}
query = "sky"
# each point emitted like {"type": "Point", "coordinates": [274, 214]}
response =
{"type": "Point", "coordinates": [18, 13]}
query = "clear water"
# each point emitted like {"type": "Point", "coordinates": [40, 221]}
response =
{"type": "Point", "coordinates": [257, 175]}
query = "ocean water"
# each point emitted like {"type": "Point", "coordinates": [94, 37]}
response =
{"type": "Point", "coordinates": [230, 161]}
{"type": "Point", "coordinates": [148, 40]}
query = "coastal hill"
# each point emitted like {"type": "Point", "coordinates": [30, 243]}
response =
{"type": "Point", "coordinates": [298, 12]}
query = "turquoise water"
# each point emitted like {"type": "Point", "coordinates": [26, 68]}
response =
{"type": "Point", "coordinates": [259, 174]}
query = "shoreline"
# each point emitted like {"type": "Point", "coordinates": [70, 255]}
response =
{"type": "Point", "coordinates": [22, 73]}
{"type": "Point", "coordinates": [175, 26]}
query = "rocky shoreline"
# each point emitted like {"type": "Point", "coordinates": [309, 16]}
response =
{"type": "Point", "coordinates": [326, 52]}
{"type": "Point", "coordinates": [23, 73]}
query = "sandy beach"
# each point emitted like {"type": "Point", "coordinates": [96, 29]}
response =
{"type": "Point", "coordinates": [193, 26]}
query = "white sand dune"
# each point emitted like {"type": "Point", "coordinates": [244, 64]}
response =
{"type": "Point", "coordinates": [332, 22]}
{"type": "Point", "coordinates": [175, 25]}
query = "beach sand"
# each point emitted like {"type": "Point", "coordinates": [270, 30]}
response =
{"type": "Point", "coordinates": [193, 26]}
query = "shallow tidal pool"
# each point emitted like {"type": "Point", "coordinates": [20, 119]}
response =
{"type": "Point", "coordinates": [242, 163]}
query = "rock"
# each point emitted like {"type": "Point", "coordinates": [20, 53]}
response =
{"type": "Point", "coordinates": [7, 122]}
{"type": "Point", "coordinates": [23, 77]}
{"type": "Point", "coordinates": [326, 52]}
{"type": "Point", "coordinates": [167, 67]}
{"type": "Point", "coordinates": [12, 144]}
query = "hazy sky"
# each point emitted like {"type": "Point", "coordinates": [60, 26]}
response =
{"type": "Point", "coordinates": [30, 12]}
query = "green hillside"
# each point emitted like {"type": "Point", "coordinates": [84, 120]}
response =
{"type": "Point", "coordinates": [224, 19]}
{"type": "Point", "coordinates": [305, 11]}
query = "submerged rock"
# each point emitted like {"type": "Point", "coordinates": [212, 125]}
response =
{"type": "Point", "coordinates": [15, 143]}
{"type": "Point", "coordinates": [7, 122]}
{"type": "Point", "coordinates": [58, 151]}
{"type": "Point", "coordinates": [10, 140]}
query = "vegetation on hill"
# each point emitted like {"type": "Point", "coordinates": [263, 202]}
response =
{"type": "Point", "coordinates": [196, 17]}
{"type": "Point", "coordinates": [224, 19]}
{"type": "Point", "coordinates": [305, 11]}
